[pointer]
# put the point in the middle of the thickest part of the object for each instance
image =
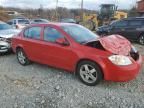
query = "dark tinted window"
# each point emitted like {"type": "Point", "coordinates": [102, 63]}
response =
{"type": "Point", "coordinates": [135, 22]}
{"type": "Point", "coordinates": [51, 34]}
{"type": "Point", "coordinates": [33, 32]}
{"type": "Point", "coordinates": [23, 21]}
{"type": "Point", "coordinates": [121, 24]}
{"type": "Point", "coordinates": [37, 20]}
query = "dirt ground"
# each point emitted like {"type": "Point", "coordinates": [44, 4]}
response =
{"type": "Point", "coordinates": [39, 86]}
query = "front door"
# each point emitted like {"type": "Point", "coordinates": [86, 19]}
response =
{"type": "Point", "coordinates": [55, 54]}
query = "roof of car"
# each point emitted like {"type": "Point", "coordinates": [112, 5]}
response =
{"type": "Point", "coordinates": [54, 23]}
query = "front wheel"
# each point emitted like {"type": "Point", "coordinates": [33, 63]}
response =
{"type": "Point", "coordinates": [22, 58]}
{"type": "Point", "coordinates": [141, 39]}
{"type": "Point", "coordinates": [89, 73]}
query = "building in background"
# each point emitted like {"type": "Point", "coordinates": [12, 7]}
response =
{"type": "Point", "coordinates": [140, 7]}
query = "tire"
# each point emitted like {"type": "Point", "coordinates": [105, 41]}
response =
{"type": "Point", "coordinates": [21, 57]}
{"type": "Point", "coordinates": [89, 73]}
{"type": "Point", "coordinates": [141, 39]}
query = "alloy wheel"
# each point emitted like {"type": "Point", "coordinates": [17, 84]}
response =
{"type": "Point", "coordinates": [88, 73]}
{"type": "Point", "coordinates": [21, 57]}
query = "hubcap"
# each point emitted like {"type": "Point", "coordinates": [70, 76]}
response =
{"type": "Point", "coordinates": [21, 57]}
{"type": "Point", "coordinates": [142, 40]}
{"type": "Point", "coordinates": [88, 73]}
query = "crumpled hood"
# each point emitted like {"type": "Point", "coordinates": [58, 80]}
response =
{"type": "Point", "coordinates": [116, 44]}
{"type": "Point", "coordinates": [8, 33]}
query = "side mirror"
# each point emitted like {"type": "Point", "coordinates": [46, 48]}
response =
{"type": "Point", "coordinates": [62, 41]}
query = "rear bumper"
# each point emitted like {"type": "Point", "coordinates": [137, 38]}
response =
{"type": "Point", "coordinates": [124, 73]}
{"type": "Point", "coordinates": [4, 47]}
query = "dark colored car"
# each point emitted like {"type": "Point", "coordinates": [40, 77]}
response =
{"type": "Point", "coordinates": [78, 50]}
{"type": "Point", "coordinates": [131, 28]}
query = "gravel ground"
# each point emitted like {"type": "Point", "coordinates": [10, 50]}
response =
{"type": "Point", "coordinates": [39, 86]}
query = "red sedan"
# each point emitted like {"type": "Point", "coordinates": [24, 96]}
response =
{"type": "Point", "coordinates": [78, 50]}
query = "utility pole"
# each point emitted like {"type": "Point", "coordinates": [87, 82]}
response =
{"type": "Point", "coordinates": [82, 10]}
{"type": "Point", "coordinates": [56, 14]}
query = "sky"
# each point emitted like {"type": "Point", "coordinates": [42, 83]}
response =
{"type": "Point", "coordinates": [88, 4]}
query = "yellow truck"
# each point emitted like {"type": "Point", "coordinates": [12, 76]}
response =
{"type": "Point", "coordinates": [107, 14]}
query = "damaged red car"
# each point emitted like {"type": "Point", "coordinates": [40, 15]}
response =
{"type": "Point", "coordinates": [76, 49]}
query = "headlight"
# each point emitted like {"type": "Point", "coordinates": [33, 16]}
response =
{"type": "Point", "coordinates": [120, 60]}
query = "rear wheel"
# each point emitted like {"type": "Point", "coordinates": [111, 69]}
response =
{"type": "Point", "coordinates": [141, 39]}
{"type": "Point", "coordinates": [89, 73]}
{"type": "Point", "coordinates": [22, 58]}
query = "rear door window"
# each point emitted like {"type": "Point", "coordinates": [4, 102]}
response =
{"type": "Point", "coordinates": [33, 32]}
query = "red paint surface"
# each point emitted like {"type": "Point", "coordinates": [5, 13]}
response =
{"type": "Point", "coordinates": [116, 44]}
{"type": "Point", "coordinates": [67, 57]}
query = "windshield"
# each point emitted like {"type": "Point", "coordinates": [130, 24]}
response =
{"type": "Point", "coordinates": [5, 26]}
{"type": "Point", "coordinates": [79, 33]}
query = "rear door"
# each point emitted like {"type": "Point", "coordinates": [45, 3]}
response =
{"type": "Point", "coordinates": [31, 42]}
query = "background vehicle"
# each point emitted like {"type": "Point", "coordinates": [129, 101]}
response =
{"type": "Point", "coordinates": [107, 13]}
{"type": "Point", "coordinates": [19, 23]}
{"type": "Point", "coordinates": [38, 21]}
{"type": "Point", "coordinates": [103, 30]}
{"type": "Point", "coordinates": [68, 20]}
{"type": "Point", "coordinates": [6, 33]}
{"type": "Point", "coordinates": [77, 49]}
{"type": "Point", "coordinates": [131, 28]}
